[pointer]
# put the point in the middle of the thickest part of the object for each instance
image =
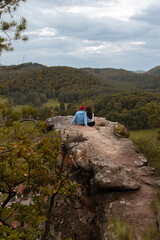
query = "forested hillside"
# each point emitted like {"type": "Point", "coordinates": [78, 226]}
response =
{"type": "Point", "coordinates": [65, 83]}
{"type": "Point", "coordinates": [119, 95]}
{"type": "Point", "coordinates": [136, 110]}
{"type": "Point", "coordinates": [143, 81]}
{"type": "Point", "coordinates": [154, 71]}
{"type": "Point", "coordinates": [32, 83]}
{"type": "Point", "coordinates": [10, 72]}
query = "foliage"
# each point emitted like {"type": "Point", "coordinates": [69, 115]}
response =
{"type": "Point", "coordinates": [155, 206]}
{"type": "Point", "coordinates": [7, 233]}
{"type": "Point", "coordinates": [10, 26]}
{"type": "Point", "coordinates": [127, 108]}
{"type": "Point", "coordinates": [62, 106]}
{"type": "Point", "coordinates": [123, 230]}
{"type": "Point", "coordinates": [153, 111]}
{"type": "Point", "coordinates": [135, 109]}
{"type": "Point", "coordinates": [151, 233]}
{"type": "Point", "coordinates": [120, 229]}
{"type": "Point", "coordinates": [120, 130]}
{"type": "Point", "coordinates": [126, 79]}
{"type": "Point", "coordinates": [9, 114]}
{"type": "Point", "coordinates": [150, 149]}
{"type": "Point", "coordinates": [66, 84]}
{"type": "Point", "coordinates": [36, 163]}
{"type": "Point", "coordinates": [25, 85]}
{"type": "Point", "coordinates": [154, 71]}
{"type": "Point", "coordinates": [158, 135]}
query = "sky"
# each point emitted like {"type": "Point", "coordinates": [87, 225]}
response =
{"type": "Point", "coordinates": [89, 33]}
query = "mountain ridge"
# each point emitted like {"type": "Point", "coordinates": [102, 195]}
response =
{"type": "Point", "coordinates": [154, 71]}
{"type": "Point", "coordinates": [34, 83]}
{"type": "Point", "coordinates": [35, 64]}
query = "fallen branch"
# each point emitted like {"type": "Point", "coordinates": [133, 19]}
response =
{"type": "Point", "coordinates": [8, 150]}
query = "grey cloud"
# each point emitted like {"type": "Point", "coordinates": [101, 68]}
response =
{"type": "Point", "coordinates": [51, 57]}
{"type": "Point", "coordinates": [77, 34]}
{"type": "Point", "coordinates": [48, 45]}
{"type": "Point", "coordinates": [75, 2]}
{"type": "Point", "coordinates": [150, 15]}
{"type": "Point", "coordinates": [77, 25]}
{"type": "Point", "coordinates": [104, 29]}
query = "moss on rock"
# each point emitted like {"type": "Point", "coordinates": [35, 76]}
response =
{"type": "Point", "coordinates": [121, 131]}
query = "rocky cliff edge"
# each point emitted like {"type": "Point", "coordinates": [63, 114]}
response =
{"type": "Point", "coordinates": [123, 183]}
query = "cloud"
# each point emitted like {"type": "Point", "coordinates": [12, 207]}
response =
{"type": "Point", "coordinates": [149, 15]}
{"type": "Point", "coordinates": [76, 2]}
{"type": "Point", "coordinates": [93, 33]}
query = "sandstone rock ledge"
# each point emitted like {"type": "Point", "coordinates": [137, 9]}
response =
{"type": "Point", "coordinates": [123, 183]}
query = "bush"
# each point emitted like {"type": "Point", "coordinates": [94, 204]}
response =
{"type": "Point", "coordinates": [121, 131]}
{"type": "Point", "coordinates": [150, 149]}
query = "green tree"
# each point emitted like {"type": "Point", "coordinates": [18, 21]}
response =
{"type": "Point", "coordinates": [28, 112]}
{"type": "Point", "coordinates": [153, 111]}
{"type": "Point", "coordinates": [150, 149]}
{"type": "Point", "coordinates": [62, 106]}
{"type": "Point", "coordinates": [39, 164]}
{"type": "Point", "coordinates": [10, 30]}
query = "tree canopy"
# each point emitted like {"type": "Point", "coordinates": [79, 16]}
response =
{"type": "Point", "coordinates": [36, 167]}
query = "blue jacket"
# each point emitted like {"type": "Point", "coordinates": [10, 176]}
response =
{"type": "Point", "coordinates": [80, 118]}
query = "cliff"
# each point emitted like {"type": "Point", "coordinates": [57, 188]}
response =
{"type": "Point", "coordinates": [115, 180]}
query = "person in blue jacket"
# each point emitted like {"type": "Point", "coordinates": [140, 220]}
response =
{"type": "Point", "coordinates": [80, 117]}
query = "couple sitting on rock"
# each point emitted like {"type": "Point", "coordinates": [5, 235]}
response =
{"type": "Point", "coordinates": [83, 117]}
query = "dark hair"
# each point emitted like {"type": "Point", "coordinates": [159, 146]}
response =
{"type": "Point", "coordinates": [89, 112]}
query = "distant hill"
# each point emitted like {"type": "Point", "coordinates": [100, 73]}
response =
{"type": "Point", "coordinates": [10, 72]}
{"type": "Point", "coordinates": [33, 83]}
{"type": "Point", "coordinates": [142, 81]}
{"type": "Point", "coordinates": [112, 74]}
{"type": "Point", "coordinates": [28, 65]}
{"type": "Point", "coordinates": [139, 71]}
{"type": "Point", "coordinates": [154, 71]}
{"type": "Point", "coordinates": [65, 83]}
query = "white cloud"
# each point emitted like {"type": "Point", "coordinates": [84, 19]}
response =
{"type": "Point", "coordinates": [138, 43]}
{"type": "Point", "coordinates": [115, 33]}
{"type": "Point", "coordinates": [47, 32]}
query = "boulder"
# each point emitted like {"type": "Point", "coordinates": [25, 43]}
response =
{"type": "Point", "coordinates": [111, 176]}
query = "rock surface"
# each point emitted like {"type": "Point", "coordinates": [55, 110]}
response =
{"type": "Point", "coordinates": [123, 182]}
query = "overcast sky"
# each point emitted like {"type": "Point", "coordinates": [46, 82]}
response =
{"type": "Point", "coordinates": [90, 33]}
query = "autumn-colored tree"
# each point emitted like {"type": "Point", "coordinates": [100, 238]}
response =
{"type": "Point", "coordinates": [36, 167]}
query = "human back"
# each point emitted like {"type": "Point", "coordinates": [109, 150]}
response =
{"type": "Point", "coordinates": [90, 117]}
{"type": "Point", "coordinates": [80, 117]}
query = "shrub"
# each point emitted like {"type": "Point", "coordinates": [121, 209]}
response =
{"type": "Point", "coordinates": [121, 131]}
